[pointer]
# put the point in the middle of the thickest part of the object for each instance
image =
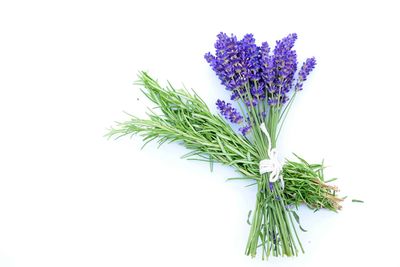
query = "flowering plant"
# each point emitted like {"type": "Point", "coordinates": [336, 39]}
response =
{"type": "Point", "coordinates": [263, 84]}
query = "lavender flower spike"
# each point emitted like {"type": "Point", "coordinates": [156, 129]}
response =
{"type": "Point", "coordinates": [267, 66]}
{"type": "Point", "coordinates": [244, 130]}
{"type": "Point", "coordinates": [227, 63]}
{"type": "Point", "coordinates": [305, 70]}
{"type": "Point", "coordinates": [229, 112]}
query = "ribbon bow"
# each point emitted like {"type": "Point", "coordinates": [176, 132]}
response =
{"type": "Point", "coordinates": [271, 165]}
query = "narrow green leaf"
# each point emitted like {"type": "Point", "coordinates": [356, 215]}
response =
{"type": "Point", "coordinates": [248, 218]}
{"type": "Point", "coordinates": [297, 218]}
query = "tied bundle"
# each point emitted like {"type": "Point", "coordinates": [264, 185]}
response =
{"type": "Point", "coordinates": [262, 85]}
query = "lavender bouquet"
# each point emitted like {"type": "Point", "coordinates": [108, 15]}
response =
{"type": "Point", "coordinates": [263, 85]}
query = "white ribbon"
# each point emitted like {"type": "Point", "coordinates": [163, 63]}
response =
{"type": "Point", "coordinates": [271, 165]}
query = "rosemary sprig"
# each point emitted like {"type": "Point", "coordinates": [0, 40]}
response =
{"type": "Point", "coordinates": [186, 118]}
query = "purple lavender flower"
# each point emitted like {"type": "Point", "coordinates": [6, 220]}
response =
{"type": "Point", "coordinates": [285, 66]}
{"type": "Point", "coordinates": [255, 73]}
{"type": "Point", "coordinates": [305, 70]}
{"type": "Point", "coordinates": [237, 65]}
{"type": "Point", "coordinates": [235, 95]}
{"type": "Point", "coordinates": [278, 99]}
{"type": "Point", "coordinates": [244, 130]}
{"type": "Point", "coordinates": [251, 58]}
{"type": "Point", "coordinates": [271, 186]}
{"type": "Point", "coordinates": [253, 102]}
{"type": "Point", "coordinates": [263, 114]}
{"type": "Point", "coordinates": [272, 101]}
{"type": "Point", "coordinates": [287, 42]}
{"type": "Point", "coordinates": [267, 66]}
{"type": "Point", "coordinates": [228, 61]}
{"type": "Point", "coordinates": [249, 53]}
{"type": "Point", "coordinates": [229, 112]}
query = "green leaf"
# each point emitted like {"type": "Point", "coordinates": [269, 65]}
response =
{"type": "Point", "coordinates": [297, 218]}
{"type": "Point", "coordinates": [248, 218]}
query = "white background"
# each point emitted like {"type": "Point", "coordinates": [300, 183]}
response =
{"type": "Point", "coordinates": [69, 197]}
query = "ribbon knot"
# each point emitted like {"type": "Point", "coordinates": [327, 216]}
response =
{"type": "Point", "coordinates": [272, 164]}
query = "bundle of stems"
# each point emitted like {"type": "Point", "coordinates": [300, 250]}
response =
{"type": "Point", "coordinates": [182, 116]}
